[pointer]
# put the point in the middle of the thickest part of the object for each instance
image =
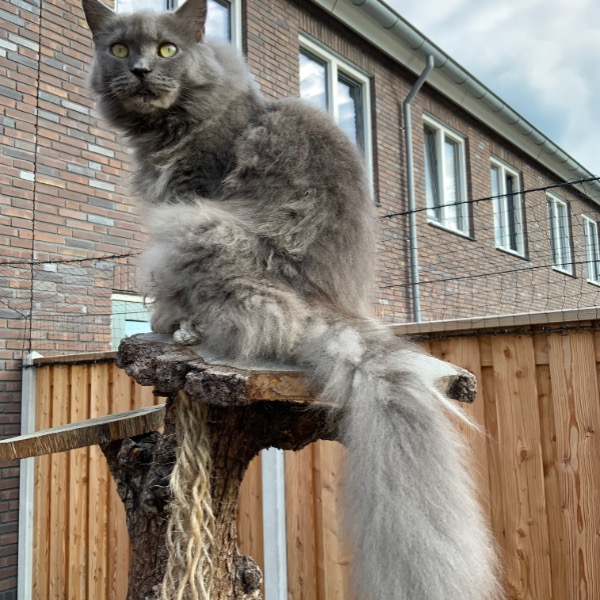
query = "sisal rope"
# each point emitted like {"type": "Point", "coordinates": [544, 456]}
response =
{"type": "Point", "coordinates": [190, 531]}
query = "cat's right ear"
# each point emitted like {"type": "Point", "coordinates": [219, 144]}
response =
{"type": "Point", "coordinates": [193, 14]}
{"type": "Point", "coordinates": [97, 15]}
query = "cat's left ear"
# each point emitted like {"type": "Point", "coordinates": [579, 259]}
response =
{"type": "Point", "coordinates": [97, 15]}
{"type": "Point", "coordinates": [192, 14]}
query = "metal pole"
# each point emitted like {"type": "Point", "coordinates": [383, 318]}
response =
{"type": "Point", "coordinates": [414, 255]}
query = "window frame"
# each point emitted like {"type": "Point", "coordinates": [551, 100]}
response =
{"type": "Point", "coordinates": [122, 306]}
{"type": "Point", "coordinates": [235, 16]}
{"type": "Point", "coordinates": [442, 132]}
{"type": "Point", "coordinates": [589, 222]}
{"type": "Point", "coordinates": [335, 64]}
{"type": "Point", "coordinates": [554, 200]}
{"type": "Point", "coordinates": [501, 202]}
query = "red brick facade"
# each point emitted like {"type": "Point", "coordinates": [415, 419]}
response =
{"type": "Point", "coordinates": [64, 196]}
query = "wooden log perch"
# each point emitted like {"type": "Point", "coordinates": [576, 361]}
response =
{"type": "Point", "coordinates": [249, 407]}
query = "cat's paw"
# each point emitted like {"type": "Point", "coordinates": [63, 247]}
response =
{"type": "Point", "coordinates": [186, 335]}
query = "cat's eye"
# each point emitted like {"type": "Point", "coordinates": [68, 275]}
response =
{"type": "Point", "coordinates": [120, 50]}
{"type": "Point", "coordinates": [167, 50]}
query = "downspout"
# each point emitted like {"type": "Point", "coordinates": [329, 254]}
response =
{"type": "Point", "coordinates": [410, 184]}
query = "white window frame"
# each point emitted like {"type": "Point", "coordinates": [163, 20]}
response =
{"type": "Point", "coordinates": [441, 133]}
{"type": "Point", "coordinates": [556, 234]}
{"type": "Point", "coordinates": [500, 204]}
{"type": "Point", "coordinates": [236, 18]}
{"type": "Point", "coordinates": [335, 64]}
{"type": "Point", "coordinates": [124, 305]}
{"type": "Point", "coordinates": [591, 229]}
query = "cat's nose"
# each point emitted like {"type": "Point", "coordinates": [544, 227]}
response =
{"type": "Point", "coordinates": [140, 71]}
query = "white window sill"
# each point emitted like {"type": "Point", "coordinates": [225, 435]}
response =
{"type": "Point", "coordinates": [512, 252]}
{"type": "Point", "coordinates": [563, 271]}
{"type": "Point", "coordinates": [458, 232]}
{"type": "Point", "coordinates": [594, 282]}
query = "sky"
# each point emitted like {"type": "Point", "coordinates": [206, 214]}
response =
{"type": "Point", "coordinates": [542, 57]}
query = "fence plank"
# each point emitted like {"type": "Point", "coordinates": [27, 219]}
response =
{"type": "Point", "coordinates": [41, 540]}
{"type": "Point", "coordinates": [250, 514]}
{"type": "Point", "coordinates": [77, 491]}
{"type": "Point", "coordinates": [464, 352]}
{"type": "Point", "coordinates": [118, 538]}
{"type": "Point", "coordinates": [558, 558]}
{"type": "Point", "coordinates": [577, 419]}
{"type": "Point", "coordinates": [334, 576]}
{"type": "Point", "coordinates": [521, 468]}
{"type": "Point", "coordinates": [98, 488]}
{"type": "Point", "coordinates": [58, 487]}
{"type": "Point", "coordinates": [300, 523]}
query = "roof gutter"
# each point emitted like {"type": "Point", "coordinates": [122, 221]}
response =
{"type": "Point", "coordinates": [387, 30]}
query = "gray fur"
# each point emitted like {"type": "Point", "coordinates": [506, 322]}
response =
{"type": "Point", "coordinates": [262, 243]}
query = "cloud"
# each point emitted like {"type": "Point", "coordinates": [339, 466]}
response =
{"type": "Point", "coordinates": [540, 56]}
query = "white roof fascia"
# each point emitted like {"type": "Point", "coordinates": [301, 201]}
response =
{"type": "Point", "coordinates": [385, 29]}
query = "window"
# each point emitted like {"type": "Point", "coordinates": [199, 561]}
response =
{"type": "Point", "coordinates": [445, 178]}
{"type": "Point", "coordinates": [508, 209]}
{"type": "Point", "coordinates": [129, 316]}
{"type": "Point", "coordinates": [560, 234]}
{"type": "Point", "coordinates": [330, 84]}
{"type": "Point", "coordinates": [223, 20]}
{"type": "Point", "coordinates": [592, 249]}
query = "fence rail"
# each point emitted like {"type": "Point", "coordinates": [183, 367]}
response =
{"type": "Point", "coordinates": [537, 471]}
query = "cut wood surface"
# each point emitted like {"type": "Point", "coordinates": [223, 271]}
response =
{"type": "Point", "coordinates": [155, 361]}
{"type": "Point", "coordinates": [98, 430]}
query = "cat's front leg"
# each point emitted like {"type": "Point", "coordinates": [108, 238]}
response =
{"type": "Point", "coordinates": [188, 334]}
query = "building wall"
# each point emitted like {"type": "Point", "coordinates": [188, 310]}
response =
{"type": "Point", "coordinates": [64, 197]}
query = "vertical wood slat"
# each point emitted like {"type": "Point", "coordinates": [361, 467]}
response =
{"type": "Point", "coordinates": [58, 488]}
{"type": "Point", "coordinates": [41, 539]}
{"type": "Point", "coordinates": [117, 537]}
{"type": "Point", "coordinates": [465, 353]}
{"type": "Point", "coordinates": [334, 574]}
{"type": "Point", "coordinates": [300, 525]}
{"type": "Point", "coordinates": [525, 544]}
{"type": "Point", "coordinates": [97, 560]}
{"type": "Point", "coordinates": [78, 489]}
{"type": "Point", "coordinates": [577, 419]}
{"type": "Point", "coordinates": [250, 514]}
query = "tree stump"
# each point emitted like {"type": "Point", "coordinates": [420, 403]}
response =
{"type": "Point", "coordinates": [248, 410]}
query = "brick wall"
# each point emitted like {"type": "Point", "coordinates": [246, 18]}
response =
{"type": "Point", "coordinates": [64, 197]}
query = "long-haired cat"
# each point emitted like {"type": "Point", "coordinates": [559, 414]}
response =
{"type": "Point", "coordinates": [262, 245]}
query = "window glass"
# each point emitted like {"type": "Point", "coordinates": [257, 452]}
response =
{"type": "Point", "coordinates": [592, 246]}
{"type": "Point", "coordinates": [444, 178]}
{"type": "Point", "coordinates": [560, 234]}
{"type": "Point", "coordinates": [313, 80]}
{"type": "Point", "coordinates": [218, 17]}
{"type": "Point", "coordinates": [508, 209]}
{"type": "Point", "coordinates": [350, 109]}
{"type": "Point", "coordinates": [218, 20]}
{"type": "Point", "coordinates": [431, 176]}
{"type": "Point", "coordinates": [129, 6]}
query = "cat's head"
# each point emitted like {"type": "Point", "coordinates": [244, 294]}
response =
{"type": "Point", "coordinates": [146, 62]}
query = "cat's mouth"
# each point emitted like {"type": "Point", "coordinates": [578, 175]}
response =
{"type": "Point", "coordinates": [144, 93]}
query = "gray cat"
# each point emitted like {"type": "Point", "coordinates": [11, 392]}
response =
{"type": "Point", "coordinates": [262, 245]}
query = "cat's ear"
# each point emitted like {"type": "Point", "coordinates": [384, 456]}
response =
{"type": "Point", "coordinates": [192, 14]}
{"type": "Point", "coordinates": [97, 15]}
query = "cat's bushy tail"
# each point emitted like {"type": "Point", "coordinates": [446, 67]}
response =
{"type": "Point", "coordinates": [411, 513]}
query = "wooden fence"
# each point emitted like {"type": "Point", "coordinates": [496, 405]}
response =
{"type": "Point", "coordinates": [537, 470]}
